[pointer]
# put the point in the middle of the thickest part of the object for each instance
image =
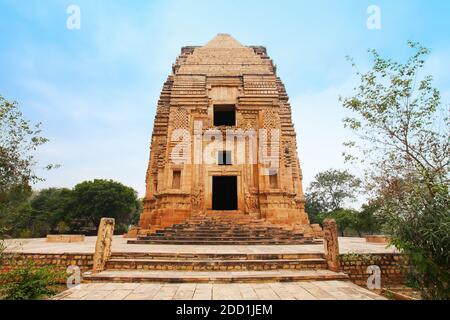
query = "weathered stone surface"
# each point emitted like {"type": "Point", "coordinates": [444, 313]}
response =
{"type": "Point", "coordinates": [223, 72]}
{"type": "Point", "coordinates": [377, 239]}
{"type": "Point", "coordinates": [104, 244]}
{"type": "Point", "coordinates": [330, 240]}
{"type": "Point", "coordinates": [63, 238]}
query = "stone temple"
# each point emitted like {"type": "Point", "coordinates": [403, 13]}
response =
{"type": "Point", "coordinates": [224, 150]}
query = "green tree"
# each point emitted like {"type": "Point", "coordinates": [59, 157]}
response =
{"type": "Point", "coordinates": [346, 219]}
{"type": "Point", "coordinates": [93, 200]}
{"type": "Point", "coordinates": [404, 132]}
{"type": "Point", "coordinates": [331, 189]}
{"type": "Point", "coordinates": [53, 205]}
{"type": "Point", "coordinates": [367, 220]}
{"type": "Point", "coordinates": [19, 139]}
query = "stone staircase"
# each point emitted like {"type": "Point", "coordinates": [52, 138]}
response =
{"type": "Point", "coordinates": [214, 268]}
{"type": "Point", "coordinates": [217, 265]}
{"type": "Point", "coordinates": [224, 229]}
{"type": "Point", "coordinates": [215, 262]}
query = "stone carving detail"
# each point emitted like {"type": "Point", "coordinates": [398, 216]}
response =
{"type": "Point", "coordinates": [287, 148]}
{"type": "Point", "coordinates": [271, 119]}
{"type": "Point", "coordinates": [248, 121]}
{"type": "Point", "coordinates": [180, 118]}
{"type": "Point", "coordinates": [197, 198]}
{"type": "Point", "coordinates": [161, 155]}
{"type": "Point", "coordinates": [104, 243]}
{"type": "Point", "coordinates": [251, 201]}
{"type": "Point", "coordinates": [330, 240]}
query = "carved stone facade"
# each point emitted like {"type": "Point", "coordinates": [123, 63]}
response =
{"type": "Point", "coordinates": [180, 183]}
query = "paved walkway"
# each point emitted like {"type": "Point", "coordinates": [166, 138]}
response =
{"type": "Point", "coordinates": [346, 245]}
{"type": "Point", "coordinates": [321, 290]}
{"type": "Point", "coordinates": [179, 276]}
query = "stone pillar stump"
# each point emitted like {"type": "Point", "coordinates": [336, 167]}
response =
{"type": "Point", "coordinates": [330, 240]}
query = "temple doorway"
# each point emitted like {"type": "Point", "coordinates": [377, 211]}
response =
{"type": "Point", "coordinates": [224, 195]}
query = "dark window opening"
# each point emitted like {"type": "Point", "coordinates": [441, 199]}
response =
{"type": "Point", "coordinates": [273, 179]}
{"type": "Point", "coordinates": [176, 180]}
{"type": "Point", "coordinates": [224, 158]}
{"type": "Point", "coordinates": [225, 115]}
{"type": "Point", "coordinates": [225, 193]}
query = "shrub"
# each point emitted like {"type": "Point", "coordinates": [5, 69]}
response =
{"type": "Point", "coordinates": [29, 282]}
{"type": "Point", "coordinates": [420, 227]}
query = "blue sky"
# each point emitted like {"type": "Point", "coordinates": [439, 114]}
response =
{"type": "Point", "coordinates": [96, 89]}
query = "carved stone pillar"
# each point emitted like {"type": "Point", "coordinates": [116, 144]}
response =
{"type": "Point", "coordinates": [330, 240]}
{"type": "Point", "coordinates": [103, 245]}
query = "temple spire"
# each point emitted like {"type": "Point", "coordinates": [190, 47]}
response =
{"type": "Point", "coordinates": [224, 40]}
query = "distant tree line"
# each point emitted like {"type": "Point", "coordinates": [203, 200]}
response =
{"type": "Point", "coordinates": [330, 195]}
{"type": "Point", "coordinates": [26, 213]}
{"type": "Point", "coordinates": [77, 210]}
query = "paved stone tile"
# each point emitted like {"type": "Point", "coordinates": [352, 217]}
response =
{"type": "Point", "coordinates": [118, 294]}
{"type": "Point", "coordinates": [265, 292]}
{"type": "Point", "coordinates": [282, 291]}
{"type": "Point", "coordinates": [298, 292]}
{"type": "Point", "coordinates": [148, 287]}
{"type": "Point", "coordinates": [167, 292]}
{"type": "Point", "coordinates": [317, 292]}
{"type": "Point", "coordinates": [185, 291]}
{"type": "Point", "coordinates": [247, 291]}
{"type": "Point", "coordinates": [314, 290]}
{"type": "Point", "coordinates": [203, 291]}
{"type": "Point", "coordinates": [96, 294]}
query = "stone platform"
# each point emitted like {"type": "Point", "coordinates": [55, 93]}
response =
{"type": "Point", "coordinates": [346, 245]}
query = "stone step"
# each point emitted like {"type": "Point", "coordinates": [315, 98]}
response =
{"type": "Point", "coordinates": [220, 236]}
{"type": "Point", "coordinates": [228, 234]}
{"type": "Point", "coordinates": [221, 239]}
{"type": "Point", "coordinates": [231, 229]}
{"type": "Point", "coordinates": [224, 242]}
{"type": "Point", "coordinates": [140, 276]}
{"type": "Point", "coordinates": [218, 256]}
{"type": "Point", "coordinates": [215, 265]}
{"type": "Point", "coordinates": [223, 228]}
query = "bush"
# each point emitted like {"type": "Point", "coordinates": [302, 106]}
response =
{"type": "Point", "coordinates": [420, 227]}
{"type": "Point", "coordinates": [29, 282]}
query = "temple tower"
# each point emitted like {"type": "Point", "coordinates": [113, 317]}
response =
{"type": "Point", "coordinates": [223, 141]}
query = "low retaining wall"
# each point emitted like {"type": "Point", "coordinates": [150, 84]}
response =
{"type": "Point", "coordinates": [393, 267]}
{"type": "Point", "coordinates": [84, 261]}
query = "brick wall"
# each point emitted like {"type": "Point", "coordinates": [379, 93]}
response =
{"type": "Point", "coordinates": [82, 260]}
{"type": "Point", "coordinates": [393, 267]}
